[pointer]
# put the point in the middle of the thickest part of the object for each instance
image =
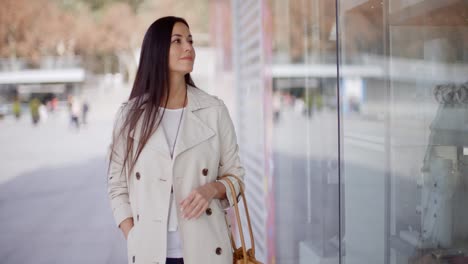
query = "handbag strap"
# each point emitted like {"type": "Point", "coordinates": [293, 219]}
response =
{"type": "Point", "coordinates": [247, 214]}
{"type": "Point", "coordinates": [239, 224]}
{"type": "Point", "coordinates": [236, 207]}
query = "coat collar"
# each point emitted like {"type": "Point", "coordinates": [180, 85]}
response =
{"type": "Point", "coordinates": [198, 99]}
{"type": "Point", "coordinates": [193, 130]}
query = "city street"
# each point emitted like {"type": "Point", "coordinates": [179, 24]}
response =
{"type": "Point", "coordinates": [53, 202]}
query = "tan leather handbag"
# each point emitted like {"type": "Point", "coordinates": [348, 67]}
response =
{"type": "Point", "coordinates": [241, 255]}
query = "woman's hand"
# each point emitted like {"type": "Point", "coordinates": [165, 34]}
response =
{"type": "Point", "coordinates": [126, 226]}
{"type": "Point", "coordinates": [199, 199]}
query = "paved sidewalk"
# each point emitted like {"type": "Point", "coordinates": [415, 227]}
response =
{"type": "Point", "coordinates": [53, 200]}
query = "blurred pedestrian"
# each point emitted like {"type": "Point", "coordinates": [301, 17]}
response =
{"type": "Point", "coordinates": [34, 108]}
{"type": "Point", "coordinates": [69, 102]}
{"type": "Point", "coordinates": [17, 108]}
{"type": "Point", "coordinates": [75, 112]}
{"type": "Point", "coordinates": [85, 110]}
{"type": "Point", "coordinates": [170, 143]}
{"type": "Point", "coordinates": [276, 105]}
{"type": "Point", "coordinates": [53, 104]}
{"type": "Point", "coordinates": [299, 106]}
{"type": "Point", "coordinates": [43, 113]}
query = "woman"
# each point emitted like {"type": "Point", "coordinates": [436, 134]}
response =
{"type": "Point", "coordinates": [171, 142]}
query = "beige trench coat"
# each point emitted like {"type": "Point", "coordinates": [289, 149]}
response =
{"type": "Point", "coordinates": [206, 148]}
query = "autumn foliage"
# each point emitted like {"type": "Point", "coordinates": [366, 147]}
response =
{"type": "Point", "coordinates": [31, 29]}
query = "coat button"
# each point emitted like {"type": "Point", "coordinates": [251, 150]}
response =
{"type": "Point", "coordinates": [205, 171]}
{"type": "Point", "coordinates": [208, 211]}
{"type": "Point", "coordinates": [218, 251]}
{"type": "Point", "coordinates": [138, 176]}
{"type": "Point", "coordinates": [133, 259]}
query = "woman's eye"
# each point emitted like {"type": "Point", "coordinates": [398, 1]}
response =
{"type": "Point", "coordinates": [176, 41]}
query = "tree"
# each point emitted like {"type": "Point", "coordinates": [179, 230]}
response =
{"type": "Point", "coordinates": [90, 28]}
{"type": "Point", "coordinates": [31, 29]}
{"type": "Point", "coordinates": [195, 12]}
{"type": "Point", "coordinates": [120, 38]}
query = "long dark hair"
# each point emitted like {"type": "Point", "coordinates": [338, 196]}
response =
{"type": "Point", "coordinates": [150, 87]}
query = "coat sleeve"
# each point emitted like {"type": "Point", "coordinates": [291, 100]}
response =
{"type": "Point", "coordinates": [116, 177]}
{"type": "Point", "coordinates": [229, 160]}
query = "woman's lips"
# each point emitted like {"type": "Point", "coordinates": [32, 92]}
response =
{"type": "Point", "coordinates": [187, 58]}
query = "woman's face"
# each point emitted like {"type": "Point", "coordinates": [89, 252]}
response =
{"type": "Point", "coordinates": [181, 52]}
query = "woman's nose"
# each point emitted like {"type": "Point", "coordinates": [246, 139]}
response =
{"type": "Point", "coordinates": [188, 47]}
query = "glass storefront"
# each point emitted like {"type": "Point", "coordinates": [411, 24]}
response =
{"type": "Point", "coordinates": [305, 131]}
{"type": "Point", "coordinates": [365, 137]}
{"type": "Point", "coordinates": [404, 130]}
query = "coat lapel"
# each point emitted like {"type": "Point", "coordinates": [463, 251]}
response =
{"type": "Point", "coordinates": [192, 133]}
{"type": "Point", "coordinates": [157, 141]}
{"type": "Point", "coordinates": [193, 130]}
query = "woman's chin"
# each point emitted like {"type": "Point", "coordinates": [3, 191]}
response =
{"type": "Point", "coordinates": [183, 71]}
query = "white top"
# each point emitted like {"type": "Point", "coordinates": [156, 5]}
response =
{"type": "Point", "coordinates": [170, 123]}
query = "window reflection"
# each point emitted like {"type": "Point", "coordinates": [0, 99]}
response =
{"type": "Point", "coordinates": [305, 142]}
{"type": "Point", "coordinates": [404, 130]}
{"type": "Point", "coordinates": [382, 136]}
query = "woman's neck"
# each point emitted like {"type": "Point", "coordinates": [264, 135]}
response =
{"type": "Point", "coordinates": [177, 93]}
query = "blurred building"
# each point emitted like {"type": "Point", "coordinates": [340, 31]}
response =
{"type": "Point", "coordinates": [350, 116]}
{"type": "Point", "coordinates": [53, 77]}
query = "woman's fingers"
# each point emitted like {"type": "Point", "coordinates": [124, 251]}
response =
{"type": "Point", "coordinates": [199, 212]}
{"type": "Point", "coordinates": [184, 204]}
{"type": "Point", "coordinates": [193, 207]}
{"type": "Point", "coordinates": [196, 202]}
{"type": "Point", "coordinates": [193, 211]}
